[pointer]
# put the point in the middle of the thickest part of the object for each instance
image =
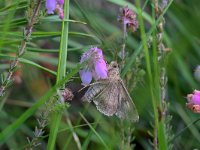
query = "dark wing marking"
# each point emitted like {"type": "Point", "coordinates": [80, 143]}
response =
{"type": "Point", "coordinates": [107, 100]}
{"type": "Point", "coordinates": [93, 91]}
{"type": "Point", "coordinates": [126, 108]}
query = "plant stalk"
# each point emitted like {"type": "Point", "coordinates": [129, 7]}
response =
{"type": "Point", "coordinates": [61, 72]}
{"type": "Point", "coordinates": [159, 125]}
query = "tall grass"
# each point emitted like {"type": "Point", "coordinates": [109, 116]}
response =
{"type": "Point", "coordinates": [61, 73]}
{"type": "Point", "coordinates": [59, 44]}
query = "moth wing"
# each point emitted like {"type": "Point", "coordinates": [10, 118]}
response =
{"type": "Point", "coordinates": [126, 108]}
{"type": "Point", "coordinates": [93, 91]}
{"type": "Point", "coordinates": [107, 100]}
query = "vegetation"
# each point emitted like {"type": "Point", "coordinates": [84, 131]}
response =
{"type": "Point", "coordinates": [41, 90]}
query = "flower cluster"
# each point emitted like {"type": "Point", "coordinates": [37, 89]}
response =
{"type": "Point", "coordinates": [194, 101]}
{"type": "Point", "coordinates": [128, 18]}
{"type": "Point", "coordinates": [55, 6]}
{"type": "Point", "coordinates": [95, 66]}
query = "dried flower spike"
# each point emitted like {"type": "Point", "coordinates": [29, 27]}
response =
{"type": "Point", "coordinates": [194, 101]}
{"type": "Point", "coordinates": [95, 66]}
{"type": "Point", "coordinates": [128, 17]}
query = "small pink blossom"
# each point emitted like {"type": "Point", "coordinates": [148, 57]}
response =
{"type": "Point", "coordinates": [50, 6]}
{"type": "Point", "coordinates": [86, 76]}
{"type": "Point", "coordinates": [67, 94]}
{"type": "Point", "coordinates": [194, 101]}
{"type": "Point", "coordinates": [60, 11]}
{"type": "Point", "coordinates": [55, 6]}
{"type": "Point", "coordinates": [128, 18]}
{"type": "Point", "coordinates": [96, 66]}
{"type": "Point", "coordinates": [61, 2]}
{"type": "Point", "coordinates": [92, 55]}
{"type": "Point", "coordinates": [101, 69]}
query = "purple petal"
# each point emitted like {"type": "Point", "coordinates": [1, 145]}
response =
{"type": "Point", "coordinates": [92, 54]}
{"type": "Point", "coordinates": [59, 10]}
{"type": "Point", "coordinates": [195, 99]}
{"type": "Point", "coordinates": [86, 76]}
{"type": "Point", "coordinates": [101, 70]}
{"type": "Point", "coordinates": [61, 2]}
{"type": "Point", "coordinates": [61, 15]}
{"type": "Point", "coordinates": [50, 6]}
{"type": "Point", "coordinates": [99, 52]}
{"type": "Point", "coordinates": [196, 92]}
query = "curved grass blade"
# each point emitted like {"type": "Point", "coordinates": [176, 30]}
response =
{"type": "Point", "coordinates": [26, 61]}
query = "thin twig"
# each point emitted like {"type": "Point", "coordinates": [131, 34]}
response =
{"type": "Point", "coordinates": [27, 34]}
{"type": "Point", "coordinates": [124, 43]}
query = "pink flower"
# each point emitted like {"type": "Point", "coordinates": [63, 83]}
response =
{"type": "Point", "coordinates": [86, 76]}
{"type": "Point", "coordinates": [101, 69]}
{"type": "Point", "coordinates": [60, 12]}
{"type": "Point", "coordinates": [128, 17]}
{"type": "Point", "coordinates": [50, 6]}
{"type": "Point", "coordinates": [96, 66]}
{"type": "Point", "coordinates": [67, 94]}
{"type": "Point", "coordinates": [61, 2]}
{"type": "Point", "coordinates": [92, 55]}
{"type": "Point", "coordinates": [194, 101]}
{"type": "Point", "coordinates": [55, 6]}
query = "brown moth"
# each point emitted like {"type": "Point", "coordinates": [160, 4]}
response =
{"type": "Point", "coordinates": [111, 96]}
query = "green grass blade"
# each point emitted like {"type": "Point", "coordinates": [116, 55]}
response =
{"type": "Point", "coordinates": [91, 127]}
{"type": "Point", "coordinates": [56, 118]}
{"type": "Point", "coordinates": [159, 125]}
{"type": "Point", "coordinates": [10, 130]}
{"type": "Point", "coordinates": [56, 18]}
{"type": "Point", "coordinates": [26, 61]}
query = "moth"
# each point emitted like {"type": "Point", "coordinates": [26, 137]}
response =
{"type": "Point", "coordinates": [111, 96]}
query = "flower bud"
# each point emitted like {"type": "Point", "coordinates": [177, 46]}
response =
{"type": "Point", "coordinates": [194, 101]}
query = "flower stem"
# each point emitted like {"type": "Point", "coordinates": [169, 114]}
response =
{"type": "Point", "coordinates": [159, 132]}
{"type": "Point", "coordinates": [124, 43]}
{"type": "Point", "coordinates": [56, 118]}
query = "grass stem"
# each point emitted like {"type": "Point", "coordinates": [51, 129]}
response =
{"type": "Point", "coordinates": [61, 72]}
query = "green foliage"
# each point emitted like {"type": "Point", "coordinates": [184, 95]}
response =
{"type": "Point", "coordinates": [51, 60]}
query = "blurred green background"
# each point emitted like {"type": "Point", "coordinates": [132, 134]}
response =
{"type": "Point", "coordinates": [99, 26]}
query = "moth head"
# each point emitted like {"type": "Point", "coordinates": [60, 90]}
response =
{"type": "Point", "coordinates": [113, 69]}
{"type": "Point", "coordinates": [113, 65]}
